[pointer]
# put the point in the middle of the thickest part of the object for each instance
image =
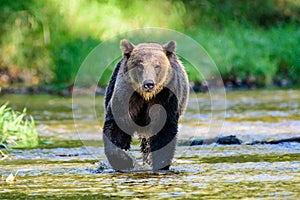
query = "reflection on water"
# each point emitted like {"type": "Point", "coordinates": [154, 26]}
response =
{"type": "Point", "coordinates": [251, 115]}
{"type": "Point", "coordinates": [208, 171]}
{"type": "Point", "coordinates": [265, 171]}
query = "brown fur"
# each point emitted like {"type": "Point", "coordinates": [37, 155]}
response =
{"type": "Point", "coordinates": [155, 63]}
{"type": "Point", "coordinates": [146, 61]}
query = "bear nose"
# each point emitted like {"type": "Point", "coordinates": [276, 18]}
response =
{"type": "Point", "coordinates": [148, 85]}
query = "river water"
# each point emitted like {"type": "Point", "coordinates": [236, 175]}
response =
{"type": "Point", "coordinates": [65, 164]}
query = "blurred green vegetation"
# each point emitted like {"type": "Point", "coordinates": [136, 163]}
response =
{"type": "Point", "coordinates": [17, 129]}
{"type": "Point", "coordinates": [43, 42]}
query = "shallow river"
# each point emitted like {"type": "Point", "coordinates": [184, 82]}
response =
{"type": "Point", "coordinates": [65, 164]}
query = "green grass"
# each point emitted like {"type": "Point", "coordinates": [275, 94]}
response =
{"type": "Point", "coordinates": [242, 51]}
{"type": "Point", "coordinates": [17, 129]}
{"type": "Point", "coordinates": [50, 39]}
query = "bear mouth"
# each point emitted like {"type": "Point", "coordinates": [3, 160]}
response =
{"type": "Point", "coordinates": [148, 94]}
{"type": "Point", "coordinates": [148, 90]}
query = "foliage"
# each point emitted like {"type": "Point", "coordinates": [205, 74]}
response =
{"type": "Point", "coordinates": [46, 41]}
{"type": "Point", "coordinates": [257, 13]}
{"type": "Point", "coordinates": [69, 57]}
{"type": "Point", "coordinates": [24, 39]}
{"type": "Point", "coordinates": [241, 51]}
{"type": "Point", "coordinates": [17, 130]}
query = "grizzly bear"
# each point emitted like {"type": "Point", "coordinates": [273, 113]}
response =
{"type": "Point", "coordinates": [146, 95]}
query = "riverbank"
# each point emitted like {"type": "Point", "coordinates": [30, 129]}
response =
{"type": "Point", "coordinates": [231, 84]}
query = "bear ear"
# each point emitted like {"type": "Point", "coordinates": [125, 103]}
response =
{"type": "Point", "coordinates": [126, 46]}
{"type": "Point", "coordinates": [170, 47]}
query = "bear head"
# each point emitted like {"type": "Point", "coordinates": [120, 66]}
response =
{"type": "Point", "coordinates": [147, 66]}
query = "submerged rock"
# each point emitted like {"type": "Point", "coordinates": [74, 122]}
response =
{"type": "Point", "coordinates": [224, 140]}
{"type": "Point", "coordinates": [293, 139]}
{"type": "Point", "coordinates": [233, 140]}
{"type": "Point", "coordinates": [229, 140]}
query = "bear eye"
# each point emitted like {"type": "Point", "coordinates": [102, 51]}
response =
{"type": "Point", "coordinates": [140, 68]}
{"type": "Point", "coordinates": [157, 68]}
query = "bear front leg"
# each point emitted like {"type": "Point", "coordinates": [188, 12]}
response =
{"type": "Point", "coordinates": [158, 150]}
{"type": "Point", "coordinates": [115, 142]}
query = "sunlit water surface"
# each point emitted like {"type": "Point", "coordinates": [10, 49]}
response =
{"type": "Point", "coordinates": [207, 171]}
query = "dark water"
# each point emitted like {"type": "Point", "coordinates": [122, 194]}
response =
{"type": "Point", "coordinates": [208, 171]}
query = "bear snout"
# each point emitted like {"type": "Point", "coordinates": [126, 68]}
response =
{"type": "Point", "coordinates": [148, 85]}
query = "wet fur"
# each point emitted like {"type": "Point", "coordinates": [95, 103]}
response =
{"type": "Point", "coordinates": [140, 103]}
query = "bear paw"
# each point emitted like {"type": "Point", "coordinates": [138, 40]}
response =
{"type": "Point", "coordinates": [120, 161]}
